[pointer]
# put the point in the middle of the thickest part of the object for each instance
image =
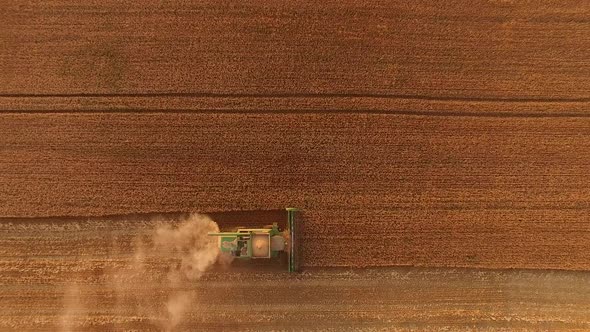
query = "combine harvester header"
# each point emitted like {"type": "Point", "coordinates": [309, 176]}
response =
{"type": "Point", "coordinates": [268, 242]}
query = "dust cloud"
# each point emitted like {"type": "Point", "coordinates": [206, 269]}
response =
{"type": "Point", "coordinates": [72, 307]}
{"type": "Point", "coordinates": [156, 282]}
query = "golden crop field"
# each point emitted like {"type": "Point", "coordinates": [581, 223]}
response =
{"type": "Point", "coordinates": [439, 153]}
{"type": "Point", "coordinates": [376, 189]}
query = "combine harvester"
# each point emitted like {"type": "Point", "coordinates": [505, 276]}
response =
{"type": "Point", "coordinates": [269, 243]}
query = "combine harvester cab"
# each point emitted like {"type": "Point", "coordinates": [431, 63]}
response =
{"type": "Point", "coordinates": [268, 242]}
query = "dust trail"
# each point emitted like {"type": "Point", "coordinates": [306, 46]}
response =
{"type": "Point", "coordinates": [72, 307]}
{"type": "Point", "coordinates": [192, 252]}
{"type": "Point", "coordinates": [158, 282]}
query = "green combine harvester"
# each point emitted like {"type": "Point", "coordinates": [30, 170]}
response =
{"type": "Point", "coordinates": [269, 242]}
